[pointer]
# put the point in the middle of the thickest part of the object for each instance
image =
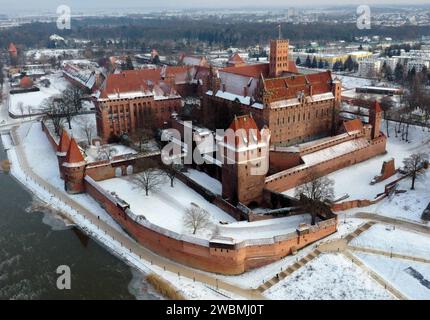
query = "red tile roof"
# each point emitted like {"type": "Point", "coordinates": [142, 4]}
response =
{"type": "Point", "coordinates": [292, 67]}
{"type": "Point", "coordinates": [377, 107]}
{"type": "Point", "coordinates": [248, 124]}
{"type": "Point", "coordinates": [250, 70]}
{"type": "Point", "coordinates": [138, 80]}
{"type": "Point", "coordinates": [352, 126]}
{"type": "Point", "coordinates": [236, 59]}
{"type": "Point", "coordinates": [74, 155]}
{"type": "Point", "coordinates": [63, 145]}
{"type": "Point", "coordinates": [288, 87]}
{"type": "Point", "coordinates": [26, 82]}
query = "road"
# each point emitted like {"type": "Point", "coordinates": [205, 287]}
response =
{"type": "Point", "coordinates": [126, 242]}
{"type": "Point", "coordinates": [387, 220]}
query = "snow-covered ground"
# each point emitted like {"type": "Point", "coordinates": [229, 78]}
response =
{"type": "Point", "coordinates": [327, 277]}
{"type": "Point", "coordinates": [349, 82]}
{"type": "Point", "coordinates": [34, 102]}
{"type": "Point", "coordinates": [355, 180]}
{"type": "Point", "coordinates": [80, 124]}
{"type": "Point", "coordinates": [258, 276]}
{"type": "Point", "coordinates": [43, 162]}
{"type": "Point", "coordinates": [263, 229]}
{"type": "Point", "coordinates": [205, 180]}
{"type": "Point", "coordinates": [409, 277]}
{"type": "Point", "coordinates": [37, 54]}
{"type": "Point", "coordinates": [390, 239]}
{"type": "Point", "coordinates": [38, 146]}
{"type": "Point", "coordinates": [166, 206]}
{"type": "Point", "coordinates": [103, 152]}
{"type": "Point", "coordinates": [334, 277]}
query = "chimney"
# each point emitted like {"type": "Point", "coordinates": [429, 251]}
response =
{"type": "Point", "coordinates": [245, 91]}
{"type": "Point", "coordinates": [223, 87]}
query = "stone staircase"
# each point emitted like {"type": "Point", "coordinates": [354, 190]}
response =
{"type": "Point", "coordinates": [285, 273]}
{"type": "Point", "coordinates": [359, 231]}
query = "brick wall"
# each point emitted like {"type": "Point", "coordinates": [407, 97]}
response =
{"type": "Point", "coordinates": [51, 139]}
{"type": "Point", "coordinates": [201, 254]}
{"type": "Point", "coordinates": [300, 176]}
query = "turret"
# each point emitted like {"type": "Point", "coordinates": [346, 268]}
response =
{"type": "Point", "coordinates": [278, 57]}
{"type": "Point", "coordinates": [245, 161]}
{"type": "Point", "coordinates": [375, 119]}
{"type": "Point", "coordinates": [74, 169]}
{"type": "Point", "coordinates": [63, 147]}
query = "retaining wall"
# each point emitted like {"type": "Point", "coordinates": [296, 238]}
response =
{"type": "Point", "coordinates": [207, 255]}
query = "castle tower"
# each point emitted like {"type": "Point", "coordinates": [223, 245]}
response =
{"type": "Point", "coordinates": [13, 54]}
{"type": "Point", "coordinates": [63, 147]}
{"type": "Point", "coordinates": [74, 169]}
{"type": "Point", "coordinates": [337, 93]}
{"type": "Point", "coordinates": [278, 57]}
{"type": "Point", "coordinates": [337, 90]}
{"type": "Point", "coordinates": [245, 158]}
{"type": "Point", "coordinates": [375, 119]}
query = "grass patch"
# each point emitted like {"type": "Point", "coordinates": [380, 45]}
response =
{"type": "Point", "coordinates": [5, 165]}
{"type": "Point", "coordinates": [164, 287]}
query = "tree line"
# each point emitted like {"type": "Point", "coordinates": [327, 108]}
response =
{"type": "Point", "coordinates": [135, 31]}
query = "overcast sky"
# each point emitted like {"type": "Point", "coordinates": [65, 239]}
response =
{"type": "Point", "coordinates": [8, 6]}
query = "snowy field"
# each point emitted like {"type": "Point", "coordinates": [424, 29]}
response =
{"type": "Point", "coordinates": [389, 239]}
{"type": "Point", "coordinates": [409, 277]}
{"type": "Point", "coordinates": [166, 206]}
{"type": "Point", "coordinates": [328, 277]}
{"type": "Point", "coordinates": [205, 180]}
{"type": "Point", "coordinates": [33, 102]}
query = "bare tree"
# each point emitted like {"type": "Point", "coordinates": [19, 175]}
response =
{"type": "Point", "coordinates": [171, 172]}
{"type": "Point", "coordinates": [142, 136]}
{"type": "Point", "coordinates": [315, 193]}
{"type": "Point", "coordinates": [88, 126]}
{"type": "Point", "coordinates": [318, 188]}
{"type": "Point", "coordinates": [414, 166]}
{"type": "Point", "coordinates": [54, 113]}
{"type": "Point", "coordinates": [67, 110]}
{"type": "Point", "coordinates": [150, 179]}
{"type": "Point", "coordinates": [72, 96]}
{"type": "Point", "coordinates": [106, 152]}
{"type": "Point", "coordinates": [196, 218]}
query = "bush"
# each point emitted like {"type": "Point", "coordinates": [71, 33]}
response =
{"type": "Point", "coordinates": [5, 165]}
{"type": "Point", "coordinates": [164, 287]}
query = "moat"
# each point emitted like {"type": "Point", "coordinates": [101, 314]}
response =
{"type": "Point", "coordinates": [34, 241]}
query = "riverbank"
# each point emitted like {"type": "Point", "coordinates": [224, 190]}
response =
{"type": "Point", "coordinates": [188, 287]}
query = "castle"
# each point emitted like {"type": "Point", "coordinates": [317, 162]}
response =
{"type": "Point", "coordinates": [299, 112]}
{"type": "Point", "coordinates": [286, 128]}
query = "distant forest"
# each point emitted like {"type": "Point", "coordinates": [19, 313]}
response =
{"type": "Point", "coordinates": [136, 32]}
